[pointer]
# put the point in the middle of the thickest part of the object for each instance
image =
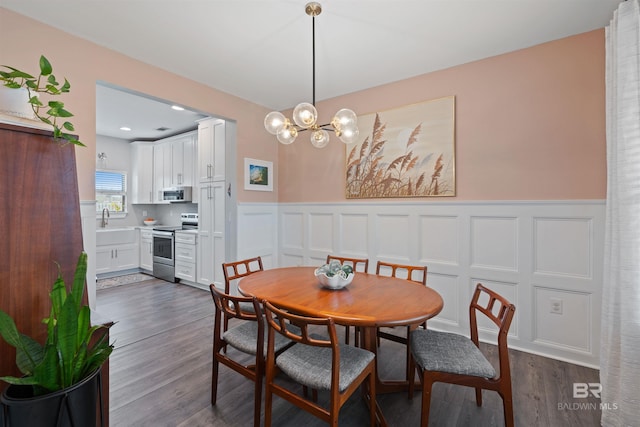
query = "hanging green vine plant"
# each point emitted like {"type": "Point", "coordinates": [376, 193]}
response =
{"type": "Point", "coordinates": [44, 83]}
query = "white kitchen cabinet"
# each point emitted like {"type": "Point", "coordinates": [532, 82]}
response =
{"type": "Point", "coordinates": [113, 258]}
{"type": "Point", "coordinates": [183, 151]}
{"type": "Point", "coordinates": [174, 162]}
{"type": "Point", "coordinates": [161, 156]}
{"type": "Point", "coordinates": [142, 172]}
{"type": "Point", "coordinates": [185, 256]}
{"type": "Point", "coordinates": [146, 250]}
{"type": "Point", "coordinates": [211, 234]}
{"type": "Point", "coordinates": [211, 150]}
{"type": "Point", "coordinates": [116, 249]}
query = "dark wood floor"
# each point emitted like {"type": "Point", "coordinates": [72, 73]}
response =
{"type": "Point", "coordinates": [161, 373]}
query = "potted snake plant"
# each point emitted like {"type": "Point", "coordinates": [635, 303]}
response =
{"type": "Point", "coordinates": [61, 381]}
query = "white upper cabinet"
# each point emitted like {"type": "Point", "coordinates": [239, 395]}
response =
{"type": "Point", "coordinates": [211, 150]}
{"type": "Point", "coordinates": [174, 161]}
{"type": "Point", "coordinates": [142, 176]}
{"type": "Point", "coordinates": [160, 178]}
{"type": "Point", "coordinates": [183, 152]}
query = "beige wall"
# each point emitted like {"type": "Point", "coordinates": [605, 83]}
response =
{"type": "Point", "coordinates": [83, 63]}
{"type": "Point", "coordinates": [530, 125]}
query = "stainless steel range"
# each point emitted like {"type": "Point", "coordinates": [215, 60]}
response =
{"type": "Point", "coordinates": [164, 246]}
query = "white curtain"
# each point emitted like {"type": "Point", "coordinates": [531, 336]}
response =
{"type": "Point", "coordinates": [620, 341]}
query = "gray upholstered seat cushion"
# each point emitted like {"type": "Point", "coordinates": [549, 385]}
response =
{"type": "Point", "coordinates": [447, 352]}
{"type": "Point", "coordinates": [244, 337]}
{"type": "Point", "coordinates": [311, 365]}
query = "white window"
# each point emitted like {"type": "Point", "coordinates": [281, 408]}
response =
{"type": "Point", "coordinates": [111, 191]}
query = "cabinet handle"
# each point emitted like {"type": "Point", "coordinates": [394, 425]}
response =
{"type": "Point", "coordinates": [151, 196]}
{"type": "Point", "coordinates": [179, 179]}
{"type": "Point", "coordinates": [209, 170]}
{"type": "Point", "coordinates": [116, 253]}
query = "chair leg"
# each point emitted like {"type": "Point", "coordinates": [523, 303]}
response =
{"type": "Point", "coordinates": [257, 401]}
{"type": "Point", "coordinates": [214, 380]}
{"type": "Point", "coordinates": [478, 396]}
{"type": "Point", "coordinates": [268, 401]}
{"type": "Point", "coordinates": [426, 401]}
{"type": "Point", "coordinates": [507, 403]}
{"type": "Point", "coordinates": [409, 371]}
{"type": "Point", "coordinates": [373, 403]}
{"type": "Point", "coordinates": [412, 368]}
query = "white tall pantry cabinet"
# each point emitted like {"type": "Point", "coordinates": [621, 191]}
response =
{"type": "Point", "coordinates": [214, 221]}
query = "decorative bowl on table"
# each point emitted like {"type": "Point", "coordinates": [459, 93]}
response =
{"type": "Point", "coordinates": [334, 275]}
{"type": "Point", "coordinates": [150, 222]}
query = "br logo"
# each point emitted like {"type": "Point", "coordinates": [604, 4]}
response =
{"type": "Point", "coordinates": [584, 390]}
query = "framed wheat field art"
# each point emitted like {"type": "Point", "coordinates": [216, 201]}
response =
{"type": "Point", "coordinates": [404, 152]}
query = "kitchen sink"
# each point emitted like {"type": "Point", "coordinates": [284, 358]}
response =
{"type": "Point", "coordinates": [115, 236]}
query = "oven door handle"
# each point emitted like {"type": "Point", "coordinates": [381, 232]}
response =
{"type": "Point", "coordinates": [162, 233]}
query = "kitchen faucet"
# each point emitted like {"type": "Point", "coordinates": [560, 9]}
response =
{"type": "Point", "coordinates": [105, 221]}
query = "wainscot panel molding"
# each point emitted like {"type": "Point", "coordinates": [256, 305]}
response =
{"type": "Point", "coordinates": [257, 233]}
{"type": "Point", "coordinates": [88, 219]}
{"type": "Point", "coordinates": [544, 256]}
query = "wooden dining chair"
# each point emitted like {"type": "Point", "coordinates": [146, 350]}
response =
{"type": "Point", "coordinates": [412, 273]}
{"type": "Point", "coordinates": [248, 337]}
{"type": "Point", "coordinates": [452, 358]}
{"type": "Point", "coordinates": [358, 264]}
{"type": "Point", "coordinates": [237, 270]}
{"type": "Point", "coordinates": [317, 362]}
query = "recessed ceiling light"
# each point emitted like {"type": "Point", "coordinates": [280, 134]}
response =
{"type": "Point", "coordinates": [177, 107]}
{"type": "Point", "coordinates": [124, 128]}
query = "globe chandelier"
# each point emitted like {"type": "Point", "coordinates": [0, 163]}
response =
{"type": "Point", "coordinates": [305, 116]}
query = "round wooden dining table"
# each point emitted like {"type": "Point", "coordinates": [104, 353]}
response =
{"type": "Point", "coordinates": [369, 301]}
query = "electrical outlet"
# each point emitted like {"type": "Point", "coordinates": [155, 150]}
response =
{"type": "Point", "coordinates": [144, 214]}
{"type": "Point", "coordinates": [555, 305]}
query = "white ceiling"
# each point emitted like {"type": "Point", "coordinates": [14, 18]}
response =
{"type": "Point", "coordinates": [260, 50]}
{"type": "Point", "coordinates": [148, 118]}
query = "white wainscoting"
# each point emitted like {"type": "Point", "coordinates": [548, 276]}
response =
{"type": "Point", "coordinates": [258, 232]}
{"type": "Point", "coordinates": [88, 219]}
{"type": "Point", "coordinates": [544, 256]}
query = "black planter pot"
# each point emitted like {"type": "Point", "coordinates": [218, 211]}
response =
{"type": "Point", "coordinates": [75, 406]}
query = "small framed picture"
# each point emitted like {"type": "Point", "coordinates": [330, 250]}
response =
{"type": "Point", "coordinates": [258, 175]}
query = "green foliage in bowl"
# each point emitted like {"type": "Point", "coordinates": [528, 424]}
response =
{"type": "Point", "coordinates": [335, 267]}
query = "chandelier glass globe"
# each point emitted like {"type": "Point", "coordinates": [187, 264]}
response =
{"type": "Point", "coordinates": [345, 118]}
{"type": "Point", "coordinates": [305, 115]}
{"type": "Point", "coordinates": [319, 138]}
{"type": "Point", "coordinates": [287, 134]}
{"type": "Point", "coordinates": [348, 135]}
{"type": "Point", "coordinates": [274, 121]}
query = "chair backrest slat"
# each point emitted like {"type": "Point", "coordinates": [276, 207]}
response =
{"type": "Point", "coordinates": [239, 269]}
{"type": "Point", "coordinates": [353, 262]}
{"type": "Point", "coordinates": [408, 270]}
{"type": "Point", "coordinates": [502, 320]}
{"type": "Point", "coordinates": [312, 329]}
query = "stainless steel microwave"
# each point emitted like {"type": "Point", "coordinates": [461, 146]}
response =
{"type": "Point", "coordinates": [176, 194]}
